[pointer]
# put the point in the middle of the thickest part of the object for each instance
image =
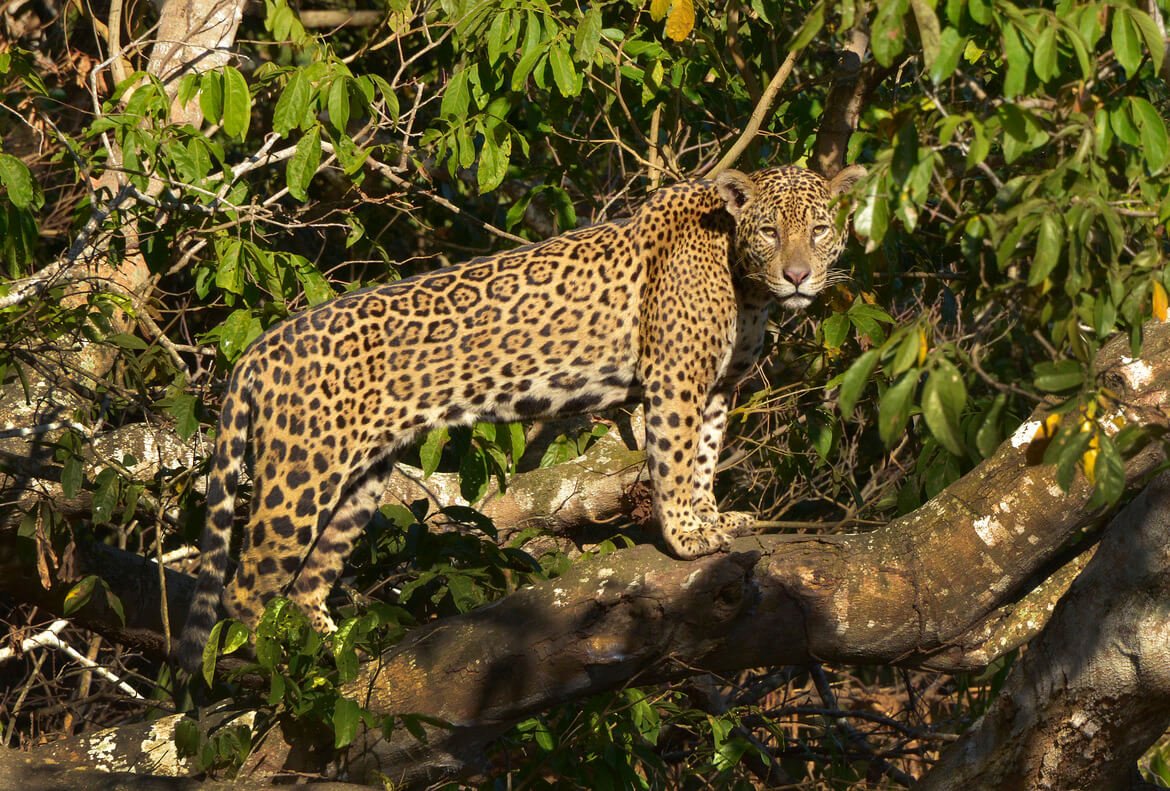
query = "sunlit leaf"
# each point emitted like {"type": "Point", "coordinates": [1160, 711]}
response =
{"type": "Point", "coordinates": [237, 103]}
{"type": "Point", "coordinates": [302, 165]}
{"type": "Point", "coordinates": [16, 178]}
{"type": "Point", "coordinates": [1126, 41]}
{"type": "Point", "coordinates": [681, 20]}
{"type": "Point", "coordinates": [943, 398]}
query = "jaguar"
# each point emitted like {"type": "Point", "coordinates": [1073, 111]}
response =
{"type": "Point", "coordinates": [667, 308]}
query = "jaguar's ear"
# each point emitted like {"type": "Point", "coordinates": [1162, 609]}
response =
{"type": "Point", "coordinates": [844, 180]}
{"type": "Point", "coordinates": [736, 189]}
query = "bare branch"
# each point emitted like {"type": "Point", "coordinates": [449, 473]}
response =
{"type": "Point", "coordinates": [763, 107]}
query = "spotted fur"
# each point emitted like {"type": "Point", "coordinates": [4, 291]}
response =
{"type": "Point", "coordinates": [667, 308]}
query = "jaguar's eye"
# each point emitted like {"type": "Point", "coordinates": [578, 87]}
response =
{"type": "Point", "coordinates": [768, 234]}
{"type": "Point", "coordinates": [820, 231]}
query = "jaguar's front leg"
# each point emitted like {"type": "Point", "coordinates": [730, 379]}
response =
{"type": "Point", "coordinates": [706, 459]}
{"type": "Point", "coordinates": [673, 436]}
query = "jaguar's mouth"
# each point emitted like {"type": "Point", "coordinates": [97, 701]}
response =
{"type": "Point", "coordinates": [795, 301]}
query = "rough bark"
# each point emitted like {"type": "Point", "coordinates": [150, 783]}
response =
{"type": "Point", "coordinates": [103, 766]}
{"type": "Point", "coordinates": [1092, 692]}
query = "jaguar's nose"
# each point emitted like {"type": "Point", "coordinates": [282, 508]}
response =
{"type": "Point", "coordinates": [796, 275]}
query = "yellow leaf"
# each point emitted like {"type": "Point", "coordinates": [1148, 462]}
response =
{"type": "Point", "coordinates": [922, 346]}
{"type": "Point", "coordinates": [1048, 428]}
{"type": "Point", "coordinates": [682, 20]}
{"type": "Point", "coordinates": [658, 9]}
{"type": "Point", "coordinates": [1160, 301]}
{"type": "Point", "coordinates": [1089, 465]}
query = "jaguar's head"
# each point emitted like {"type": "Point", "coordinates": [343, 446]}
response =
{"type": "Point", "coordinates": [786, 234]}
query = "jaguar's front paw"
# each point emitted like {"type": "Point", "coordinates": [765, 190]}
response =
{"type": "Point", "coordinates": [737, 523]}
{"type": "Point", "coordinates": [703, 539]}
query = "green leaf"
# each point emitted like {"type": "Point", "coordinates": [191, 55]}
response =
{"type": "Point", "coordinates": [928, 31]}
{"type": "Point", "coordinates": [1151, 35]}
{"type": "Point", "coordinates": [211, 96]}
{"type": "Point", "coordinates": [907, 353]}
{"type": "Point", "coordinates": [17, 179]}
{"type": "Point", "coordinates": [868, 319]}
{"type": "Point", "coordinates": [814, 20]}
{"type": "Point", "coordinates": [498, 35]}
{"type": "Point", "coordinates": [338, 104]}
{"type": "Point", "coordinates": [894, 408]}
{"type": "Point", "coordinates": [562, 68]}
{"type": "Point", "coordinates": [237, 637]}
{"type": "Point", "coordinates": [588, 34]}
{"type": "Point", "coordinates": [1058, 376]}
{"type": "Point", "coordinates": [1018, 61]}
{"type": "Point", "coordinates": [524, 68]}
{"type": "Point", "coordinates": [1155, 145]}
{"type": "Point", "coordinates": [237, 103]}
{"type": "Point", "coordinates": [71, 476]}
{"type": "Point", "coordinates": [854, 381]}
{"type": "Point", "coordinates": [1045, 60]}
{"type": "Point", "coordinates": [1068, 448]}
{"type": "Point", "coordinates": [835, 329]}
{"type": "Point", "coordinates": [229, 274]}
{"type": "Point", "coordinates": [1126, 41]}
{"type": "Point", "coordinates": [873, 216]}
{"type": "Point", "coordinates": [302, 166]}
{"type": "Point", "coordinates": [494, 158]}
{"type": "Point", "coordinates": [183, 407]}
{"type": "Point", "coordinates": [211, 652]}
{"type": "Point", "coordinates": [293, 105]}
{"type": "Point", "coordinates": [950, 48]}
{"type": "Point", "coordinates": [988, 437]}
{"type": "Point", "coordinates": [237, 331]}
{"type": "Point", "coordinates": [889, 31]}
{"type": "Point", "coordinates": [187, 737]}
{"type": "Point", "coordinates": [1109, 471]}
{"type": "Point", "coordinates": [1048, 245]}
{"type": "Point", "coordinates": [105, 495]}
{"type": "Point", "coordinates": [943, 400]}
{"type": "Point", "coordinates": [346, 715]}
{"type": "Point", "coordinates": [456, 97]}
{"type": "Point", "coordinates": [474, 475]}
{"type": "Point", "coordinates": [431, 451]}
{"type": "Point", "coordinates": [79, 595]}
{"type": "Point", "coordinates": [316, 287]}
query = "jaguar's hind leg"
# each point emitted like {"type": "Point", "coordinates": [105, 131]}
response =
{"type": "Point", "coordinates": [326, 559]}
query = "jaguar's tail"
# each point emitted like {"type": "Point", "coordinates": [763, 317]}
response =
{"type": "Point", "coordinates": [231, 442]}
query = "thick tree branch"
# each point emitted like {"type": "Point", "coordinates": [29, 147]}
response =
{"type": "Point", "coordinates": [1093, 690]}
{"type": "Point", "coordinates": [852, 84]}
